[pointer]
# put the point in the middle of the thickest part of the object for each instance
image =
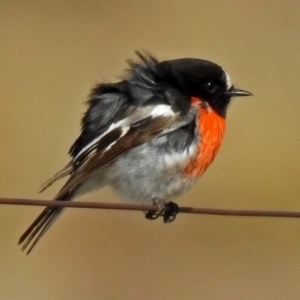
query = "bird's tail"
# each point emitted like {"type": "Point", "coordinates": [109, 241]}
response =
{"type": "Point", "coordinates": [41, 224]}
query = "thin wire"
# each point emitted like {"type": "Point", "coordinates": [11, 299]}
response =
{"type": "Point", "coordinates": [122, 206]}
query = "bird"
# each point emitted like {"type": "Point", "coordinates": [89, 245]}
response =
{"type": "Point", "coordinates": [150, 136]}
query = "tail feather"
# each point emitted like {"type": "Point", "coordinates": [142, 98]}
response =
{"type": "Point", "coordinates": [41, 229]}
{"type": "Point", "coordinates": [67, 170]}
{"type": "Point", "coordinates": [33, 225]}
{"type": "Point", "coordinates": [42, 224]}
{"type": "Point", "coordinates": [29, 235]}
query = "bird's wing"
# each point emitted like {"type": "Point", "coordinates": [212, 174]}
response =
{"type": "Point", "coordinates": [143, 125]}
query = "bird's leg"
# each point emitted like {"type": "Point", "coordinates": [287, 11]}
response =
{"type": "Point", "coordinates": [153, 215]}
{"type": "Point", "coordinates": [167, 210]}
{"type": "Point", "coordinates": [170, 212]}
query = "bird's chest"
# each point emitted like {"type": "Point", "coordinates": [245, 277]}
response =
{"type": "Point", "coordinates": [211, 128]}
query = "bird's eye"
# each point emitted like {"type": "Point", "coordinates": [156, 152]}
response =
{"type": "Point", "coordinates": [211, 87]}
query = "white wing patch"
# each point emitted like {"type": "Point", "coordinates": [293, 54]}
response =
{"type": "Point", "coordinates": [162, 110]}
{"type": "Point", "coordinates": [97, 139]}
{"type": "Point", "coordinates": [124, 131]}
{"type": "Point", "coordinates": [154, 111]}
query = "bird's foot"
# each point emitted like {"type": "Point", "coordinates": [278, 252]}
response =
{"type": "Point", "coordinates": [167, 210]}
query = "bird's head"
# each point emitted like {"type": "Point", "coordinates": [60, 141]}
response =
{"type": "Point", "coordinates": [204, 80]}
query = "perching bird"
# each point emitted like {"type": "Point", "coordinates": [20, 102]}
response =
{"type": "Point", "coordinates": [149, 136]}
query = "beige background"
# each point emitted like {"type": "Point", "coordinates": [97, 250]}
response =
{"type": "Point", "coordinates": [53, 52]}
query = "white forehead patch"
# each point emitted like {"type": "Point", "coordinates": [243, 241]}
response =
{"type": "Point", "coordinates": [228, 81]}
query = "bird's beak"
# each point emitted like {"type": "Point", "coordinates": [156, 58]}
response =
{"type": "Point", "coordinates": [234, 92]}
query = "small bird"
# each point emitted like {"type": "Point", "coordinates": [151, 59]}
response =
{"type": "Point", "coordinates": [149, 136]}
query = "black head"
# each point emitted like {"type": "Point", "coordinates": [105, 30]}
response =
{"type": "Point", "coordinates": [202, 79]}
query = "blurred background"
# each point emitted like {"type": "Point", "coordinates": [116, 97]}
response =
{"type": "Point", "coordinates": [53, 53]}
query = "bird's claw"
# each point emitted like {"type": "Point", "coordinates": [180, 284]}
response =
{"type": "Point", "coordinates": [152, 215]}
{"type": "Point", "coordinates": [168, 211]}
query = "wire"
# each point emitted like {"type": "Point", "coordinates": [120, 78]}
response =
{"type": "Point", "coordinates": [140, 207]}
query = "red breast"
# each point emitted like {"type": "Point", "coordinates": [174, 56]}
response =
{"type": "Point", "coordinates": [211, 127]}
